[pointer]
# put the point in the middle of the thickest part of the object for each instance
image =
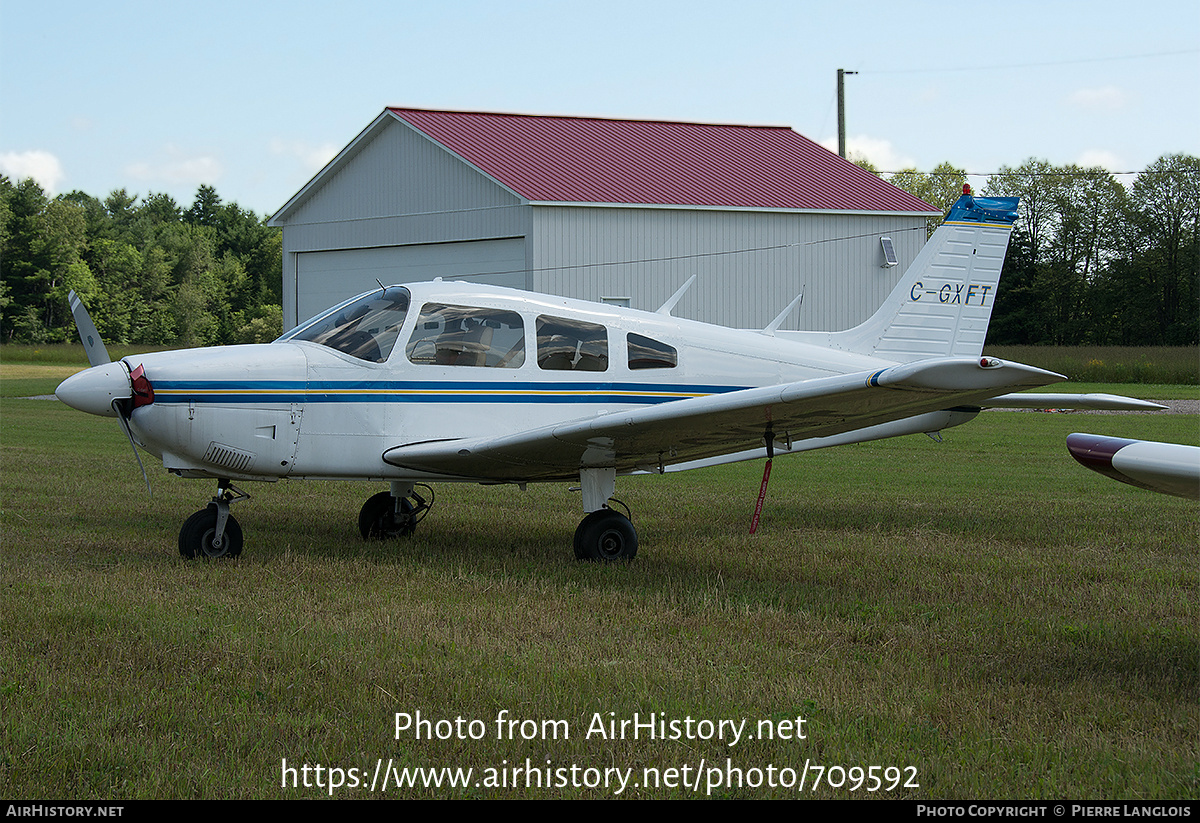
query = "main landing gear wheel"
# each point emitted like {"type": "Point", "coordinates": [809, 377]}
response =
{"type": "Point", "coordinates": [385, 516]}
{"type": "Point", "coordinates": [198, 537]}
{"type": "Point", "coordinates": [381, 518]}
{"type": "Point", "coordinates": [606, 535]}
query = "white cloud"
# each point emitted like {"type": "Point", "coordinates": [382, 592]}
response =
{"type": "Point", "coordinates": [1099, 157]}
{"type": "Point", "coordinates": [880, 152]}
{"type": "Point", "coordinates": [313, 158]}
{"type": "Point", "coordinates": [1106, 99]}
{"type": "Point", "coordinates": [929, 94]}
{"type": "Point", "coordinates": [177, 168]}
{"type": "Point", "coordinates": [42, 166]}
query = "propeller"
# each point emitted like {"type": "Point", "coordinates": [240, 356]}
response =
{"type": "Point", "coordinates": [107, 388]}
{"type": "Point", "coordinates": [97, 355]}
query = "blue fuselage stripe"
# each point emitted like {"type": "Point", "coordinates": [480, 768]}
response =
{"type": "Point", "coordinates": [375, 391]}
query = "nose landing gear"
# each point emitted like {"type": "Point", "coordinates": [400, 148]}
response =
{"type": "Point", "coordinates": [212, 532]}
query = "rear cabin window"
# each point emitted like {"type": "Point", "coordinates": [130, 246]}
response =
{"type": "Point", "coordinates": [648, 353]}
{"type": "Point", "coordinates": [466, 336]}
{"type": "Point", "coordinates": [571, 345]}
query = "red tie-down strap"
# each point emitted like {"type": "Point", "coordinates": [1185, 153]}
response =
{"type": "Point", "coordinates": [762, 495]}
{"type": "Point", "coordinates": [762, 491]}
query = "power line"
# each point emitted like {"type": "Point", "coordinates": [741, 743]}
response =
{"type": "Point", "coordinates": [1052, 173]}
{"type": "Point", "coordinates": [1039, 64]}
{"type": "Point", "coordinates": [1012, 171]}
{"type": "Point", "coordinates": [693, 256]}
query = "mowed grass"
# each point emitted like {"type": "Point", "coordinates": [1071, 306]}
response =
{"type": "Point", "coordinates": [1110, 364]}
{"type": "Point", "coordinates": [983, 614]}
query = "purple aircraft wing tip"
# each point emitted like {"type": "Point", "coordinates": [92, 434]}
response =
{"type": "Point", "coordinates": [1095, 451]}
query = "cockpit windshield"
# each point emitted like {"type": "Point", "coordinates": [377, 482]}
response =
{"type": "Point", "coordinates": [365, 327]}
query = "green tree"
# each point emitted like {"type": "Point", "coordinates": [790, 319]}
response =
{"type": "Point", "coordinates": [1152, 287]}
{"type": "Point", "coordinates": [159, 208]}
{"type": "Point", "coordinates": [96, 218]}
{"type": "Point", "coordinates": [65, 228]}
{"type": "Point", "coordinates": [118, 268]}
{"type": "Point", "coordinates": [862, 162]}
{"type": "Point", "coordinates": [263, 326]}
{"type": "Point", "coordinates": [206, 208]}
{"type": "Point", "coordinates": [149, 271]}
{"type": "Point", "coordinates": [941, 187]}
{"type": "Point", "coordinates": [42, 240]}
{"type": "Point", "coordinates": [152, 319]}
{"type": "Point", "coordinates": [1019, 316]}
{"type": "Point", "coordinates": [122, 223]}
{"type": "Point", "coordinates": [1096, 263]}
{"type": "Point", "coordinates": [1034, 181]}
{"type": "Point", "coordinates": [1052, 216]}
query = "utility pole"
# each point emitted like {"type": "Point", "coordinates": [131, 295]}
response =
{"type": "Point", "coordinates": [841, 94]}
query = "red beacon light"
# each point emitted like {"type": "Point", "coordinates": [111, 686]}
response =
{"type": "Point", "coordinates": [967, 189]}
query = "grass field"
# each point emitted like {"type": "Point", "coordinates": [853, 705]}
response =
{"type": "Point", "coordinates": [981, 618]}
{"type": "Point", "coordinates": [1110, 364]}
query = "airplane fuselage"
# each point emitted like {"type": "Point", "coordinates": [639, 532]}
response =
{"type": "Point", "coordinates": [464, 360]}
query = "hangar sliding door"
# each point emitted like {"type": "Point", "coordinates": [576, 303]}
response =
{"type": "Point", "coordinates": [324, 278]}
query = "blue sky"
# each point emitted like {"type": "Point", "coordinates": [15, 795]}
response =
{"type": "Point", "coordinates": [253, 98]}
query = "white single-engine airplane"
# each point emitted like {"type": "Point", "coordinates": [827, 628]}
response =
{"type": "Point", "coordinates": [461, 382]}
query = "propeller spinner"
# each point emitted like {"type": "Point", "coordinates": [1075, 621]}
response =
{"type": "Point", "coordinates": [107, 388]}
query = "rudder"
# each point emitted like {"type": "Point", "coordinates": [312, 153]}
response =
{"type": "Point", "coordinates": [942, 305]}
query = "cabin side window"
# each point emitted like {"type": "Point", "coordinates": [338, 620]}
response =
{"type": "Point", "coordinates": [571, 345]}
{"type": "Point", "coordinates": [648, 353]}
{"type": "Point", "coordinates": [365, 327]}
{"type": "Point", "coordinates": [466, 336]}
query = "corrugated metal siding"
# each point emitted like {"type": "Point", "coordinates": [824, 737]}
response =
{"type": "Point", "coordinates": [395, 187]}
{"type": "Point", "coordinates": [327, 277]}
{"type": "Point", "coordinates": [402, 188]}
{"type": "Point", "coordinates": [749, 266]}
{"type": "Point", "coordinates": [588, 160]}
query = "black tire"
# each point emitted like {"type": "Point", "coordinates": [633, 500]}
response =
{"type": "Point", "coordinates": [606, 535]}
{"type": "Point", "coordinates": [196, 536]}
{"type": "Point", "coordinates": [378, 519]}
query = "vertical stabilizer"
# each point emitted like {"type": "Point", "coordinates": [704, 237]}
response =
{"type": "Point", "coordinates": [942, 305]}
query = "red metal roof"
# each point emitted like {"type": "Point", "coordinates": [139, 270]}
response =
{"type": "Point", "coordinates": [592, 160]}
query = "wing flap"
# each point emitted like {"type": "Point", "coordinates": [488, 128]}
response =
{"type": "Point", "coordinates": [719, 424]}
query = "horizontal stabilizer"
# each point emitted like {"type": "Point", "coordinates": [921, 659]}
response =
{"type": "Point", "coordinates": [1095, 402]}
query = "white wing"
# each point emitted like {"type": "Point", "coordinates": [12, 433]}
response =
{"type": "Point", "coordinates": [722, 424]}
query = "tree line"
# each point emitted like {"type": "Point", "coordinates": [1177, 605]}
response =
{"type": "Point", "coordinates": [1091, 261]}
{"type": "Point", "coordinates": [149, 270]}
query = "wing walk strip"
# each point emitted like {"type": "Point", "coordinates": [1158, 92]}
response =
{"type": "Point", "coordinates": [426, 392]}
